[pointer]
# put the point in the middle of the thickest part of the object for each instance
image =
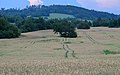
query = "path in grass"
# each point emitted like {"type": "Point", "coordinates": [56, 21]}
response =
{"type": "Point", "coordinates": [96, 42]}
{"type": "Point", "coordinates": [90, 38]}
{"type": "Point", "coordinates": [68, 51]}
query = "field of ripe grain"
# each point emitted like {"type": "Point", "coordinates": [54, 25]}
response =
{"type": "Point", "coordinates": [45, 53]}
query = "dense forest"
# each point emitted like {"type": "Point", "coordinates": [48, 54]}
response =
{"type": "Point", "coordinates": [37, 11]}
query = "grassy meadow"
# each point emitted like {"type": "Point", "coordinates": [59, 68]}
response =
{"type": "Point", "coordinates": [58, 15]}
{"type": "Point", "coordinates": [45, 53]}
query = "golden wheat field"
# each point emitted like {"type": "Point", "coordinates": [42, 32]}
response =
{"type": "Point", "coordinates": [45, 53]}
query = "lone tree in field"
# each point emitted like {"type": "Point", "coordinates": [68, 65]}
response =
{"type": "Point", "coordinates": [65, 29]}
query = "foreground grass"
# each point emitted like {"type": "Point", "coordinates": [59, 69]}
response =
{"type": "Point", "coordinates": [62, 67]}
{"type": "Point", "coordinates": [43, 53]}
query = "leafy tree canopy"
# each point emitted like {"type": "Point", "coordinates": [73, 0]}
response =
{"type": "Point", "coordinates": [8, 30]}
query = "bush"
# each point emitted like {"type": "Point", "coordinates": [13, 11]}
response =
{"type": "Point", "coordinates": [69, 34]}
{"type": "Point", "coordinates": [7, 30]}
{"type": "Point", "coordinates": [84, 25]}
{"type": "Point", "coordinates": [110, 52]}
{"type": "Point", "coordinates": [72, 34]}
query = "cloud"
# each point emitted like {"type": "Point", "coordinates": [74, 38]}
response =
{"type": "Point", "coordinates": [87, 3]}
{"type": "Point", "coordinates": [108, 3]}
{"type": "Point", "coordinates": [102, 5]}
{"type": "Point", "coordinates": [36, 2]}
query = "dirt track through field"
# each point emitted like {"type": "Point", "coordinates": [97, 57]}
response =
{"type": "Point", "coordinates": [111, 36]}
{"type": "Point", "coordinates": [91, 39]}
{"type": "Point", "coordinates": [68, 51]}
{"type": "Point", "coordinates": [99, 43]}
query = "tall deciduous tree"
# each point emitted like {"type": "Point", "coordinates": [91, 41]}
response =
{"type": "Point", "coordinates": [65, 29]}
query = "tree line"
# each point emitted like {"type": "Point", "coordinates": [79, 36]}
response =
{"type": "Point", "coordinates": [11, 27]}
{"type": "Point", "coordinates": [111, 23]}
{"type": "Point", "coordinates": [65, 27]}
{"type": "Point", "coordinates": [36, 11]}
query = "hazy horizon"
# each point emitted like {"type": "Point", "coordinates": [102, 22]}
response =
{"type": "Point", "coordinates": [99, 5]}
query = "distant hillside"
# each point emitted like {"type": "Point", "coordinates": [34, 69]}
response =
{"type": "Point", "coordinates": [37, 11]}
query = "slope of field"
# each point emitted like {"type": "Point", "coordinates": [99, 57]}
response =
{"type": "Point", "coordinates": [60, 16]}
{"type": "Point", "coordinates": [44, 53]}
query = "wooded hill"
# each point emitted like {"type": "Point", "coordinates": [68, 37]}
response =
{"type": "Point", "coordinates": [37, 11]}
